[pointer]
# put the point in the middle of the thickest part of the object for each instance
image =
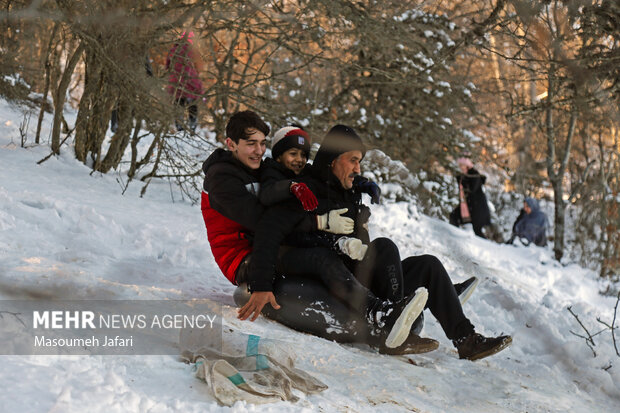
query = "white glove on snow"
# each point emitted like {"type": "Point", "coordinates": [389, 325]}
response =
{"type": "Point", "coordinates": [352, 247]}
{"type": "Point", "coordinates": [334, 222]}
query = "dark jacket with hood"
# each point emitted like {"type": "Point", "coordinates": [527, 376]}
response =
{"type": "Point", "coordinates": [275, 182]}
{"type": "Point", "coordinates": [532, 226]}
{"type": "Point", "coordinates": [328, 189]}
{"type": "Point", "coordinates": [476, 199]}
{"type": "Point", "coordinates": [284, 220]}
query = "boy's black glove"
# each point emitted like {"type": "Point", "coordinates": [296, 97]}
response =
{"type": "Point", "coordinates": [368, 187]}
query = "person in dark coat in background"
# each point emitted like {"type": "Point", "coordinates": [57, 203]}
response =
{"type": "Point", "coordinates": [531, 224]}
{"type": "Point", "coordinates": [473, 207]}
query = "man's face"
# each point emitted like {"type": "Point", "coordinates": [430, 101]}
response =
{"type": "Point", "coordinates": [527, 208]}
{"type": "Point", "coordinates": [293, 159]}
{"type": "Point", "coordinates": [249, 151]}
{"type": "Point", "coordinates": [346, 166]}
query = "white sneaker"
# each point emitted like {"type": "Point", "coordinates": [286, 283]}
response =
{"type": "Point", "coordinates": [402, 326]}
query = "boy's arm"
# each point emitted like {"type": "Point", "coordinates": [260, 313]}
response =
{"type": "Point", "coordinates": [275, 188]}
{"type": "Point", "coordinates": [274, 191]}
{"type": "Point", "coordinates": [277, 222]}
{"type": "Point", "coordinates": [230, 197]}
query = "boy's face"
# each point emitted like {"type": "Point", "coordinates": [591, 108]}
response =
{"type": "Point", "coordinates": [527, 208]}
{"type": "Point", "coordinates": [249, 151]}
{"type": "Point", "coordinates": [293, 159]}
{"type": "Point", "coordinates": [346, 166]}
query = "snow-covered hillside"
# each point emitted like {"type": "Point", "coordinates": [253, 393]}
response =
{"type": "Point", "coordinates": [67, 234]}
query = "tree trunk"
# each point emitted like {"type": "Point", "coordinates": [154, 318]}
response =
{"type": "Point", "coordinates": [94, 112]}
{"type": "Point", "coordinates": [59, 100]}
{"type": "Point", "coordinates": [120, 140]}
{"type": "Point", "coordinates": [46, 88]}
{"type": "Point", "coordinates": [556, 175]}
{"type": "Point", "coordinates": [81, 128]}
{"type": "Point", "coordinates": [559, 219]}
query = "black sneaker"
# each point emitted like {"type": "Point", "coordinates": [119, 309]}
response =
{"type": "Point", "coordinates": [413, 345]}
{"type": "Point", "coordinates": [396, 319]}
{"type": "Point", "coordinates": [465, 289]}
{"type": "Point", "coordinates": [476, 346]}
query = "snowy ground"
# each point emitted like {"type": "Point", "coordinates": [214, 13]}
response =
{"type": "Point", "coordinates": [67, 234]}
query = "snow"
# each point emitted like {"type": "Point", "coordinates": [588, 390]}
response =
{"type": "Point", "coordinates": [471, 136]}
{"type": "Point", "coordinates": [67, 234]}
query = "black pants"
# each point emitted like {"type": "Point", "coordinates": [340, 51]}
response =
{"type": "Point", "coordinates": [320, 296]}
{"type": "Point", "coordinates": [326, 266]}
{"type": "Point", "coordinates": [382, 266]}
{"type": "Point", "coordinates": [457, 221]}
{"type": "Point", "coordinates": [192, 111]}
{"type": "Point", "coordinates": [276, 223]}
{"type": "Point", "coordinates": [380, 270]}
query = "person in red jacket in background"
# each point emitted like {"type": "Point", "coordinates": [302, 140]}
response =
{"type": "Point", "coordinates": [184, 65]}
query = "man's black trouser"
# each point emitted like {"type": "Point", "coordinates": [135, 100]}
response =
{"type": "Point", "coordinates": [382, 262]}
{"type": "Point", "coordinates": [313, 308]}
{"type": "Point", "coordinates": [319, 295]}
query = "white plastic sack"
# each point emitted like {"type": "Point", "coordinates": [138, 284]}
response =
{"type": "Point", "coordinates": [245, 367]}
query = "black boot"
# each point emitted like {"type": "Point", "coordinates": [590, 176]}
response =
{"type": "Point", "coordinates": [465, 289]}
{"type": "Point", "coordinates": [413, 345]}
{"type": "Point", "coordinates": [394, 320]}
{"type": "Point", "coordinates": [475, 346]}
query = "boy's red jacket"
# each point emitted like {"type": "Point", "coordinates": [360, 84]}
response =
{"type": "Point", "coordinates": [230, 208]}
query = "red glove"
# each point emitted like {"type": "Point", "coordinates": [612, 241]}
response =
{"type": "Point", "coordinates": [305, 196]}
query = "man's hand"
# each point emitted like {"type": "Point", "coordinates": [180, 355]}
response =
{"type": "Point", "coordinates": [255, 305]}
{"type": "Point", "coordinates": [369, 187]}
{"type": "Point", "coordinates": [305, 196]}
{"type": "Point", "coordinates": [334, 222]}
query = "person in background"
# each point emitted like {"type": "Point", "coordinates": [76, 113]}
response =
{"type": "Point", "coordinates": [531, 224]}
{"type": "Point", "coordinates": [184, 65]}
{"type": "Point", "coordinates": [473, 207]}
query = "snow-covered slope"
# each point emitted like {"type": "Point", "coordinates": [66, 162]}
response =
{"type": "Point", "coordinates": [67, 234]}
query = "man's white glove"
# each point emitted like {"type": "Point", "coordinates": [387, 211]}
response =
{"type": "Point", "coordinates": [353, 247]}
{"type": "Point", "coordinates": [334, 222]}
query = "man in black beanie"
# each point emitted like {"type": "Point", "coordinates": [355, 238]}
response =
{"type": "Point", "coordinates": [336, 165]}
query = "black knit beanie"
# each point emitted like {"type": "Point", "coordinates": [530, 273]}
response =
{"type": "Point", "coordinates": [339, 139]}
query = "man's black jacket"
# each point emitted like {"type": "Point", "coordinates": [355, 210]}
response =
{"type": "Point", "coordinates": [282, 219]}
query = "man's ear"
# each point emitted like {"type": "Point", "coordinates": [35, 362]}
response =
{"type": "Point", "coordinates": [230, 144]}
